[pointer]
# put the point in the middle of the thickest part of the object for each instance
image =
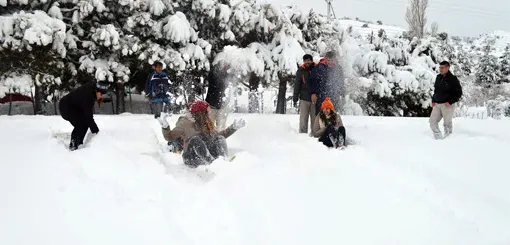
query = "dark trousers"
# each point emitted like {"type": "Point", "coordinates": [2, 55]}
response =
{"type": "Point", "coordinates": [80, 127]}
{"type": "Point", "coordinates": [333, 137]}
{"type": "Point", "coordinates": [203, 150]}
{"type": "Point", "coordinates": [159, 105]}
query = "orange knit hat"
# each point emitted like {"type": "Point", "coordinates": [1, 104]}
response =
{"type": "Point", "coordinates": [327, 104]}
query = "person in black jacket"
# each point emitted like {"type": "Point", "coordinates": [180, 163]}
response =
{"type": "Point", "coordinates": [447, 92]}
{"type": "Point", "coordinates": [77, 107]}
{"type": "Point", "coordinates": [218, 81]}
{"type": "Point", "coordinates": [302, 93]}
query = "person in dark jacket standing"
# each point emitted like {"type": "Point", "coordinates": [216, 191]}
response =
{"type": "Point", "coordinates": [218, 82]}
{"type": "Point", "coordinates": [447, 92]}
{"type": "Point", "coordinates": [302, 93]}
{"type": "Point", "coordinates": [77, 108]}
{"type": "Point", "coordinates": [327, 80]}
{"type": "Point", "coordinates": [157, 87]}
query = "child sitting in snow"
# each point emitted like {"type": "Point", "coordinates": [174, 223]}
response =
{"type": "Point", "coordinates": [202, 143]}
{"type": "Point", "coordinates": [328, 126]}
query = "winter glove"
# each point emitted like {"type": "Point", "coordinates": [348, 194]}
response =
{"type": "Point", "coordinates": [238, 124]}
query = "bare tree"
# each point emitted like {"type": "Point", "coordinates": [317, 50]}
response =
{"type": "Point", "coordinates": [434, 28]}
{"type": "Point", "coordinates": [415, 17]}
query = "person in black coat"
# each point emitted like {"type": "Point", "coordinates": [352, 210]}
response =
{"type": "Point", "coordinates": [77, 107]}
{"type": "Point", "coordinates": [301, 93]}
{"type": "Point", "coordinates": [447, 92]}
{"type": "Point", "coordinates": [218, 82]}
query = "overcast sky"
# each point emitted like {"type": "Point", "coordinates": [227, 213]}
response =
{"type": "Point", "coordinates": [457, 17]}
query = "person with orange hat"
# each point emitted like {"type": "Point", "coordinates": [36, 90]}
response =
{"type": "Point", "coordinates": [328, 126]}
{"type": "Point", "coordinates": [202, 143]}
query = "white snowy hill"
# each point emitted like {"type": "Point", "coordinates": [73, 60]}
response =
{"type": "Point", "coordinates": [396, 186]}
{"type": "Point", "coordinates": [363, 28]}
{"type": "Point", "coordinates": [501, 40]}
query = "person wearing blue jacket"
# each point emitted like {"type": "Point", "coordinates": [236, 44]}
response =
{"type": "Point", "coordinates": [157, 87]}
{"type": "Point", "coordinates": [327, 80]}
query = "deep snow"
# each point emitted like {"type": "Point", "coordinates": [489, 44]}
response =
{"type": "Point", "coordinates": [396, 186]}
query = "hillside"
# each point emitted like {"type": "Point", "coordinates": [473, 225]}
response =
{"type": "Point", "coordinates": [283, 188]}
{"type": "Point", "coordinates": [501, 40]}
{"type": "Point", "coordinates": [357, 26]}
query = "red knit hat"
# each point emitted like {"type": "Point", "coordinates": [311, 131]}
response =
{"type": "Point", "coordinates": [327, 104]}
{"type": "Point", "coordinates": [198, 106]}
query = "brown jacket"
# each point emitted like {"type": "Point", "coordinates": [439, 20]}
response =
{"type": "Point", "coordinates": [319, 125]}
{"type": "Point", "coordinates": [185, 129]}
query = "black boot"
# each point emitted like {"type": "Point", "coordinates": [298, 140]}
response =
{"type": "Point", "coordinates": [73, 145]}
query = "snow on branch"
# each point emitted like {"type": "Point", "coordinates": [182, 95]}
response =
{"type": "Point", "coordinates": [413, 78]}
{"type": "Point", "coordinates": [86, 7]}
{"type": "Point", "coordinates": [106, 36]}
{"type": "Point", "coordinates": [178, 29]}
{"type": "Point", "coordinates": [24, 30]}
{"type": "Point", "coordinates": [287, 53]}
{"type": "Point", "coordinates": [168, 56]}
{"type": "Point", "coordinates": [15, 83]}
{"type": "Point", "coordinates": [105, 70]}
{"type": "Point", "coordinates": [242, 61]}
{"type": "Point", "coordinates": [194, 56]}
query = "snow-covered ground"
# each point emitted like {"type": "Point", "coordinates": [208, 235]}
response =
{"type": "Point", "coordinates": [396, 186]}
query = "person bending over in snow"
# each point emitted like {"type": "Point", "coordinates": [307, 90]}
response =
{"type": "Point", "coordinates": [202, 142]}
{"type": "Point", "coordinates": [77, 107]}
{"type": "Point", "coordinates": [328, 126]}
{"type": "Point", "coordinates": [157, 86]}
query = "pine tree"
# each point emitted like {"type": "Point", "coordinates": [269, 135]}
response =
{"type": "Point", "coordinates": [488, 71]}
{"type": "Point", "coordinates": [505, 63]}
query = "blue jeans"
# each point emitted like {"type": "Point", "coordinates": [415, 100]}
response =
{"type": "Point", "coordinates": [159, 105]}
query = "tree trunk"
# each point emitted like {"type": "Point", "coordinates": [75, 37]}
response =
{"type": "Point", "coordinates": [38, 100]}
{"type": "Point", "coordinates": [253, 98]}
{"type": "Point", "coordinates": [113, 106]}
{"type": "Point", "coordinates": [33, 101]}
{"type": "Point", "coordinates": [253, 104]}
{"type": "Point", "coordinates": [282, 100]}
{"type": "Point", "coordinates": [120, 100]}
{"type": "Point", "coordinates": [10, 103]}
{"type": "Point", "coordinates": [130, 102]}
{"type": "Point", "coordinates": [55, 101]}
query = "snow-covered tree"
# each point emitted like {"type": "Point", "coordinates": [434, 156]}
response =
{"type": "Point", "coordinates": [488, 72]}
{"type": "Point", "coordinates": [504, 62]}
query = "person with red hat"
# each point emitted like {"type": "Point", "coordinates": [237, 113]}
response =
{"type": "Point", "coordinates": [202, 143]}
{"type": "Point", "coordinates": [328, 126]}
